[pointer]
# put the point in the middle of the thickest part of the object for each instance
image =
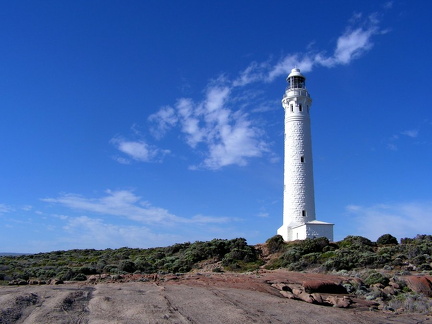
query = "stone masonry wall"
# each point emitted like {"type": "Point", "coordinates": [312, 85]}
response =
{"type": "Point", "coordinates": [298, 166]}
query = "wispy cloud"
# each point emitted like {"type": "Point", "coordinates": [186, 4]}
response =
{"type": "Point", "coordinates": [218, 127]}
{"type": "Point", "coordinates": [413, 133]}
{"type": "Point", "coordinates": [302, 61]}
{"type": "Point", "coordinates": [5, 209]}
{"type": "Point", "coordinates": [125, 204]}
{"type": "Point", "coordinates": [114, 219]}
{"type": "Point", "coordinates": [355, 41]}
{"type": "Point", "coordinates": [86, 231]}
{"type": "Point", "coordinates": [401, 219]}
{"type": "Point", "coordinates": [228, 136]}
{"type": "Point", "coordinates": [164, 119]}
{"type": "Point", "coordinates": [393, 141]}
{"type": "Point", "coordinates": [388, 5]}
{"type": "Point", "coordinates": [137, 150]}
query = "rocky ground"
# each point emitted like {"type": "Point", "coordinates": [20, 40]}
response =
{"type": "Point", "coordinates": [262, 297]}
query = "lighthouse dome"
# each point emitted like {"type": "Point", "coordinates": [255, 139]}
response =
{"type": "Point", "coordinates": [295, 72]}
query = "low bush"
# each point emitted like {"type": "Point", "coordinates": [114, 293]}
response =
{"type": "Point", "coordinates": [350, 253]}
{"type": "Point", "coordinates": [144, 266]}
{"type": "Point", "coordinates": [411, 303]}
{"type": "Point", "coordinates": [376, 278]}
{"type": "Point", "coordinates": [87, 270]}
{"type": "Point", "coordinates": [127, 266]}
{"type": "Point", "coordinates": [313, 245]}
{"type": "Point", "coordinates": [357, 242]}
{"type": "Point", "coordinates": [275, 244]}
{"type": "Point", "coordinates": [80, 277]}
{"type": "Point", "coordinates": [387, 239]}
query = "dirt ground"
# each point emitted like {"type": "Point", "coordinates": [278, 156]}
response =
{"type": "Point", "coordinates": [194, 298]}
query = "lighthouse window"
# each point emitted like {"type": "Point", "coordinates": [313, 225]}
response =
{"type": "Point", "coordinates": [297, 82]}
{"type": "Point", "coordinates": [292, 108]}
{"type": "Point", "coordinates": [302, 159]}
{"type": "Point", "coordinates": [300, 108]}
{"type": "Point", "coordinates": [304, 213]}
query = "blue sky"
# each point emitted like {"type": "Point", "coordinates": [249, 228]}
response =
{"type": "Point", "coordinates": [146, 123]}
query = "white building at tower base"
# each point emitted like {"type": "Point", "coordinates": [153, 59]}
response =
{"type": "Point", "coordinates": [311, 229]}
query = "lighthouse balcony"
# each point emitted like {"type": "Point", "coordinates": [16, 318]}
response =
{"type": "Point", "coordinates": [296, 93]}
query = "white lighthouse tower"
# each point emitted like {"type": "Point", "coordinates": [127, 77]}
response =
{"type": "Point", "coordinates": [299, 220]}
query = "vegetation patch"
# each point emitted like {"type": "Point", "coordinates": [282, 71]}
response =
{"type": "Point", "coordinates": [76, 265]}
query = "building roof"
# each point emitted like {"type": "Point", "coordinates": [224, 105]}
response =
{"type": "Point", "coordinates": [296, 72]}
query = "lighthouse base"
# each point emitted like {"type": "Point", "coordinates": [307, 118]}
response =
{"type": "Point", "coordinates": [311, 229]}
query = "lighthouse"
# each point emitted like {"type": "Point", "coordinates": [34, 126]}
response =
{"type": "Point", "coordinates": [299, 220]}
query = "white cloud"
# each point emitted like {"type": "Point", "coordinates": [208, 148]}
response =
{"type": "Point", "coordinates": [254, 72]}
{"type": "Point", "coordinates": [263, 215]}
{"type": "Point", "coordinates": [284, 66]}
{"type": "Point", "coordinates": [117, 218]}
{"type": "Point", "coordinates": [5, 209]}
{"type": "Point", "coordinates": [356, 40]}
{"type": "Point", "coordinates": [233, 144]}
{"type": "Point", "coordinates": [393, 141]}
{"type": "Point", "coordinates": [215, 220]}
{"type": "Point", "coordinates": [217, 123]}
{"type": "Point", "coordinates": [126, 204]}
{"type": "Point", "coordinates": [349, 47]}
{"type": "Point", "coordinates": [401, 220]}
{"type": "Point", "coordinates": [227, 135]}
{"type": "Point", "coordinates": [137, 150]}
{"type": "Point", "coordinates": [392, 147]}
{"type": "Point", "coordinates": [165, 118]}
{"type": "Point", "coordinates": [388, 5]}
{"type": "Point", "coordinates": [411, 133]}
{"type": "Point", "coordinates": [94, 232]}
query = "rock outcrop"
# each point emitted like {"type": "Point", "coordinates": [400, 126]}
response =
{"type": "Point", "coordinates": [421, 285]}
{"type": "Point", "coordinates": [316, 292]}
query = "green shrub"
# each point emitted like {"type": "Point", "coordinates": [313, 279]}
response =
{"type": "Point", "coordinates": [310, 259]}
{"type": "Point", "coordinates": [240, 256]}
{"type": "Point", "coordinates": [291, 256]}
{"type": "Point", "coordinates": [421, 259]}
{"type": "Point", "coordinates": [424, 267]}
{"type": "Point", "coordinates": [327, 255]}
{"type": "Point", "coordinates": [80, 277]}
{"type": "Point", "coordinates": [219, 248]}
{"type": "Point", "coordinates": [406, 240]}
{"type": "Point", "coordinates": [110, 268]}
{"type": "Point", "coordinates": [423, 238]}
{"type": "Point", "coordinates": [376, 277]}
{"type": "Point", "coordinates": [297, 266]}
{"type": "Point", "coordinates": [275, 244]}
{"type": "Point", "coordinates": [275, 264]}
{"type": "Point", "coordinates": [313, 245]}
{"type": "Point", "coordinates": [387, 239]}
{"type": "Point", "coordinates": [66, 274]}
{"type": "Point", "coordinates": [144, 266]}
{"type": "Point", "coordinates": [101, 264]}
{"type": "Point", "coordinates": [411, 303]}
{"type": "Point", "coordinates": [87, 270]}
{"type": "Point", "coordinates": [357, 242]}
{"type": "Point", "coordinates": [127, 266]}
{"type": "Point", "coordinates": [177, 248]}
